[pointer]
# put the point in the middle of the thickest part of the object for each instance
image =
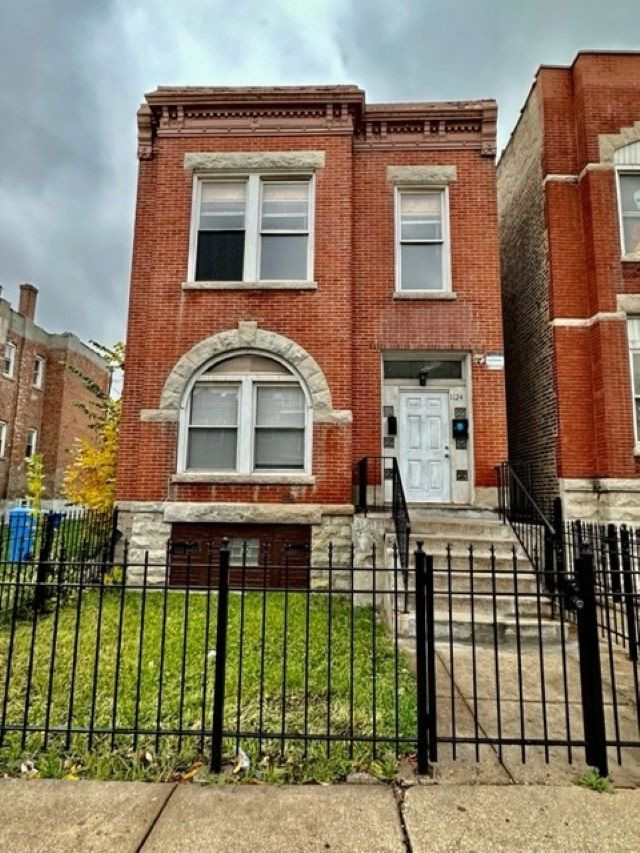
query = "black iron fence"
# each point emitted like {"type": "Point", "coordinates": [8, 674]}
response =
{"type": "Point", "coordinates": [122, 657]}
{"type": "Point", "coordinates": [486, 663]}
{"type": "Point", "coordinates": [33, 547]}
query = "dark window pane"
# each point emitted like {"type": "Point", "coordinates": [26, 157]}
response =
{"type": "Point", "coordinates": [283, 258]}
{"type": "Point", "coordinates": [220, 256]}
{"type": "Point", "coordinates": [433, 369]}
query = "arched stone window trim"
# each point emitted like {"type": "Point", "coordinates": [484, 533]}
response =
{"type": "Point", "coordinates": [247, 337]}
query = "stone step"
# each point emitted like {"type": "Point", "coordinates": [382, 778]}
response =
{"type": "Point", "coordinates": [484, 630]}
{"type": "Point", "coordinates": [502, 562]}
{"type": "Point", "coordinates": [483, 581]}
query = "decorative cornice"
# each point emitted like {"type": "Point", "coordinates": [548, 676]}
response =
{"type": "Point", "coordinates": [247, 161]}
{"type": "Point", "coordinates": [316, 110]}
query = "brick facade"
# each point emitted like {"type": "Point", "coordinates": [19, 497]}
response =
{"type": "Point", "coordinates": [567, 289]}
{"type": "Point", "coordinates": [345, 322]}
{"type": "Point", "coordinates": [51, 410]}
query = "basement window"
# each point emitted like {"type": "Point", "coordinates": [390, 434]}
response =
{"type": "Point", "coordinates": [255, 228]}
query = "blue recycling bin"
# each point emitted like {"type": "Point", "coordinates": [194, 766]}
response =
{"type": "Point", "coordinates": [22, 533]}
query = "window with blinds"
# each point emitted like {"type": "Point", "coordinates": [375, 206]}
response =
{"type": "Point", "coordinates": [253, 229]}
{"type": "Point", "coordinates": [421, 240]}
{"type": "Point", "coordinates": [246, 413]}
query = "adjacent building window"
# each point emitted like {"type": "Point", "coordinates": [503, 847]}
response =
{"type": "Point", "coordinates": [3, 439]}
{"type": "Point", "coordinates": [629, 190]}
{"type": "Point", "coordinates": [9, 360]}
{"type": "Point", "coordinates": [422, 240]}
{"type": "Point", "coordinates": [38, 371]}
{"type": "Point", "coordinates": [633, 332]}
{"type": "Point", "coordinates": [32, 442]}
{"type": "Point", "coordinates": [257, 228]}
{"type": "Point", "coordinates": [246, 414]}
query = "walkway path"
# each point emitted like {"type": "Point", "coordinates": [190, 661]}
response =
{"type": "Point", "coordinates": [46, 815]}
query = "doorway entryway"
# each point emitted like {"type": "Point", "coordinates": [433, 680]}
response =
{"type": "Point", "coordinates": [423, 447]}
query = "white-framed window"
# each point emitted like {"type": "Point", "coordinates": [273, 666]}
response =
{"type": "Point", "coordinates": [9, 360]}
{"type": "Point", "coordinates": [3, 439]}
{"type": "Point", "coordinates": [629, 208]}
{"type": "Point", "coordinates": [422, 239]}
{"type": "Point", "coordinates": [32, 443]}
{"type": "Point", "coordinates": [246, 414]}
{"type": "Point", "coordinates": [252, 228]}
{"type": "Point", "coordinates": [38, 371]}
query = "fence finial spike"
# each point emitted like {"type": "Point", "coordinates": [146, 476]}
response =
{"type": "Point", "coordinates": [419, 545]}
{"type": "Point", "coordinates": [224, 546]}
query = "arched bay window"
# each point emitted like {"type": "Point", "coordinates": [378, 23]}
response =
{"type": "Point", "coordinates": [244, 414]}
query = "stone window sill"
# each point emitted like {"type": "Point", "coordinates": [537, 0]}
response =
{"type": "Point", "coordinates": [249, 285]}
{"type": "Point", "coordinates": [425, 294]}
{"type": "Point", "coordinates": [636, 450]}
{"type": "Point", "coordinates": [633, 258]}
{"type": "Point", "coordinates": [248, 479]}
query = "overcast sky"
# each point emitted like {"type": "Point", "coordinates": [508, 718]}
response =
{"type": "Point", "coordinates": [73, 72]}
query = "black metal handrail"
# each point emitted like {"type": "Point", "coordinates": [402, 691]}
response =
{"type": "Point", "coordinates": [540, 538]}
{"type": "Point", "coordinates": [372, 475]}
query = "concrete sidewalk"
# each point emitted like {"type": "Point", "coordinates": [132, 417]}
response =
{"type": "Point", "coordinates": [47, 815]}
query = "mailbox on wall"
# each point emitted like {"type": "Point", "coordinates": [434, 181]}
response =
{"type": "Point", "coordinates": [392, 425]}
{"type": "Point", "coordinates": [460, 427]}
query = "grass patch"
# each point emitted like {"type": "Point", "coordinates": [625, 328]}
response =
{"type": "Point", "coordinates": [282, 675]}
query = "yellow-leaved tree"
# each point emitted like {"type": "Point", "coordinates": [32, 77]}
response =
{"type": "Point", "coordinates": [90, 478]}
{"type": "Point", "coordinates": [35, 481]}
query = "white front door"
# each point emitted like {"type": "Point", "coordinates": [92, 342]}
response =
{"type": "Point", "coordinates": [423, 445]}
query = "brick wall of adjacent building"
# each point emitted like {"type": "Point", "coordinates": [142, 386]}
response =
{"type": "Point", "coordinates": [345, 324]}
{"type": "Point", "coordinates": [51, 409]}
{"type": "Point", "coordinates": [524, 256]}
{"type": "Point", "coordinates": [577, 109]}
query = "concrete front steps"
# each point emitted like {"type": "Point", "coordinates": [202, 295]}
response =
{"type": "Point", "coordinates": [517, 612]}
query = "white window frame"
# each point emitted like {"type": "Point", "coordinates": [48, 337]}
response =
{"type": "Point", "coordinates": [622, 170]}
{"type": "Point", "coordinates": [38, 372]}
{"type": "Point", "coordinates": [12, 349]}
{"type": "Point", "coordinates": [252, 217]}
{"type": "Point", "coordinates": [3, 439]}
{"type": "Point", "coordinates": [443, 189]}
{"type": "Point", "coordinates": [33, 444]}
{"type": "Point", "coordinates": [247, 384]}
{"type": "Point", "coordinates": [632, 350]}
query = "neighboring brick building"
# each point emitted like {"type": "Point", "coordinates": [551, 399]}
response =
{"type": "Point", "coordinates": [300, 258]}
{"type": "Point", "coordinates": [38, 393]}
{"type": "Point", "coordinates": [569, 202]}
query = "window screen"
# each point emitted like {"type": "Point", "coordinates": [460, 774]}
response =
{"type": "Point", "coordinates": [421, 240]}
{"type": "Point", "coordinates": [213, 429]}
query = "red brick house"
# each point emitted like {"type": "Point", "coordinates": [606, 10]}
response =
{"type": "Point", "coordinates": [38, 396]}
{"type": "Point", "coordinates": [569, 201]}
{"type": "Point", "coordinates": [315, 280]}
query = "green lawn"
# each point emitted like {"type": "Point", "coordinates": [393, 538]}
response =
{"type": "Point", "coordinates": [322, 693]}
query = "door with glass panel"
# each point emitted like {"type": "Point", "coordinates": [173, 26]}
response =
{"type": "Point", "coordinates": [424, 446]}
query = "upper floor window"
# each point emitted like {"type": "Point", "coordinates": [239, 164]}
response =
{"type": "Point", "coordinates": [3, 439]}
{"type": "Point", "coordinates": [629, 192]}
{"type": "Point", "coordinates": [422, 240]}
{"type": "Point", "coordinates": [32, 443]}
{"type": "Point", "coordinates": [38, 371]}
{"type": "Point", "coordinates": [246, 414]}
{"type": "Point", "coordinates": [9, 360]}
{"type": "Point", "coordinates": [255, 228]}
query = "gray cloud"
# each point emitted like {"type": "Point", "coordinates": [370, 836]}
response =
{"type": "Point", "coordinates": [74, 71]}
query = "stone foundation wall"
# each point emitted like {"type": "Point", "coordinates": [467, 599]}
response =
{"type": "Point", "coordinates": [602, 501]}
